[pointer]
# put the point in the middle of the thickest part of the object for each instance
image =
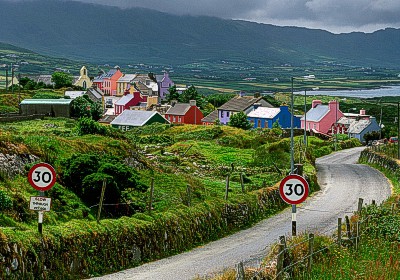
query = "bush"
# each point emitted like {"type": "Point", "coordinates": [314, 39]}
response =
{"type": "Point", "coordinates": [5, 201]}
{"type": "Point", "coordinates": [89, 126]}
{"type": "Point", "coordinates": [84, 175]}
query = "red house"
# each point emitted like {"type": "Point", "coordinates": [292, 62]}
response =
{"type": "Point", "coordinates": [184, 113]}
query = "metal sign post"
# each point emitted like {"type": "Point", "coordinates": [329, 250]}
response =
{"type": "Point", "coordinates": [294, 189]}
{"type": "Point", "coordinates": [42, 177]}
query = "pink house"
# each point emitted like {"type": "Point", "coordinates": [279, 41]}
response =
{"type": "Point", "coordinates": [110, 81]}
{"type": "Point", "coordinates": [321, 118]}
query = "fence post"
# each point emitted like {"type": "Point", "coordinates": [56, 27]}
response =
{"type": "Point", "coordinates": [339, 232]}
{"type": "Point", "coordinates": [286, 257]}
{"type": "Point", "coordinates": [360, 203]}
{"type": "Point", "coordinates": [357, 234]}
{"type": "Point", "coordinates": [189, 195]}
{"type": "Point", "coordinates": [239, 271]}
{"type": "Point", "coordinates": [393, 207]}
{"type": "Point", "coordinates": [151, 195]}
{"type": "Point", "coordinates": [242, 182]}
{"type": "Point", "coordinates": [279, 264]}
{"type": "Point", "coordinates": [310, 251]}
{"type": "Point", "coordinates": [373, 202]}
{"type": "Point", "coordinates": [103, 190]}
{"type": "Point", "coordinates": [227, 187]}
{"type": "Point", "coordinates": [348, 227]}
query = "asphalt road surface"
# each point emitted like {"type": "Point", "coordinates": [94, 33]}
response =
{"type": "Point", "coordinates": [342, 182]}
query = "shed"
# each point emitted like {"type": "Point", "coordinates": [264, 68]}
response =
{"type": "Point", "coordinates": [50, 107]}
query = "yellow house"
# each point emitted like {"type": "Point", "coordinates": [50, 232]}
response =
{"type": "Point", "coordinates": [83, 80]}
{"type": "Point", "coordinates": [123, 82]}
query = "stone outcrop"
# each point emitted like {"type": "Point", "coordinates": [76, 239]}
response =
{"type": "Point", "coordinates": [12, 165]}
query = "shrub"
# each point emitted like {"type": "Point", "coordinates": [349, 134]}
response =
{"type": "Point", "coordinates": [89, 126]}
{"type": "Point", "coordinates": [5, 201]}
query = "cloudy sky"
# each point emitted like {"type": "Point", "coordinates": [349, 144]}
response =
{"type": "Point", "coordinates": [337, 16]}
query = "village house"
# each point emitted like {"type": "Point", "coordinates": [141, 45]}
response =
{"type": "Point", "coordinates": [184, 113]}
{"type": "Point", "coordinates": [265, 117]}
{"type": "Point", "coordinates": [321, 118]}
{"type": "Point", "coordinates": [124, 83]}
{"type": "Point", "coordinates": [237, 104]}
{"type": "Point", "coordinates": [356, 125]}
{"type": "Point", "coordinates": [95, 94]}
{"type": "Point", "coordinates": [164, 83]}
{"type": "Point", "coordinates": [108, 82]}
{"type": "Point", "coordinates": [129, 119]}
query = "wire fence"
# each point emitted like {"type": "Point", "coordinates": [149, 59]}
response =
{"type": "Point", "coordinates": [282, 263]}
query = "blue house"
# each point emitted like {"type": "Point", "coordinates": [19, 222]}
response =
{"type": "Point", "coordinates": [264, 117]}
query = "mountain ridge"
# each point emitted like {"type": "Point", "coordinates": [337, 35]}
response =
{"type": "Point", "coordinates": [106, 34]}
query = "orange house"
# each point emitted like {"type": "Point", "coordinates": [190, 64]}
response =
{"type": "Point", "coordinates": [110, 81]}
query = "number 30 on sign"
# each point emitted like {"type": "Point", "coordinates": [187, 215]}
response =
{"type": "Point", "coordinates": [294, 189]}
{"type": "Point", "coordinates": [42, 176]}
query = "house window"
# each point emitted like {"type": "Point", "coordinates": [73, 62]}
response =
{"type": "Point", "coordinates": [315, 126]}
{"type": "Point", "coordinates": [173, 119]}
{"type": "Point", "coordinates": [222, 114]}
{"type": "Point", "coordinates": [227, 114]}
{"type": "Point", "coordinates": [258, 123]}
{"type": "Point", "coordinates": [179, 119]}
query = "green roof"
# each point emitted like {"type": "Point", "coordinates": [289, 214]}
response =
{"type": "Point", "coordinates": [46, 101]}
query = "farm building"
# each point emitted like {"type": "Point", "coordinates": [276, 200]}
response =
{"type": "Point", "coordinates": [50, 107]}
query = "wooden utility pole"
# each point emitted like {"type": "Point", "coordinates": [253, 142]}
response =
{"type": "Point", "coordinates": [103, 190]}
{"type": "Point", "coordinates": [151, 195]}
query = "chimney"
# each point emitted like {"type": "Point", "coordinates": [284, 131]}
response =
{"type": "Point", "coordinates": [192, 102]}
{"type": "Point", "coordinates": [256, 105]}
{"type": "Point", "coordinates": [241, 93]}
{"type": "Point", "coordinates": [362, 112]}
{"type": "Point", "coordinates": [315, 103]}
{"type": "Point", "coordinates": [173, 102]}
{"type": "Point", "coordinates": [333, 105]}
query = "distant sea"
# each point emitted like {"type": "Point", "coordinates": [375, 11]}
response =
{"type": "Point", "coordinates": [363, 93]}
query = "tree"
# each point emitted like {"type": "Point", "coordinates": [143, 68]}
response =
{"type": "Point", "coordinates": [173, 94]}
{"type": "Point", "coordinates": [84, 107]}
{"type": "Point", "coordinates": [192, 94]}
{"type": "Point", "coordinates": [240, 120]}
{"type": "Point", "coordinates": [61, 79]}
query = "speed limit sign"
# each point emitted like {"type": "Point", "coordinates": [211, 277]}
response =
{"type": "Point", "coordinates": [42, 176]}
{"type": "Point", "coordinates": [294, 189]}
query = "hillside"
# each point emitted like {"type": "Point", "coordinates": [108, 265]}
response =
{"type": "Point", "coordinates": [111, 35]}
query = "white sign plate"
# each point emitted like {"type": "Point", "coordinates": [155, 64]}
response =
{"type": "Point", "coordinates": [40, 203]}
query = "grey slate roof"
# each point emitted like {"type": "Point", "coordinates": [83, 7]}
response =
{"type": "Point", "coordinates": [238, 103]}
{"type": "Point", "coordinates": [110, 73]}
{"type": "Point", "coordinates": [211, 118]}
{"type": "Point", "coordinates": [179, 109]}
{"type": "Point", "coordinates": [95, 92]}
{"type": "Point", "coordinates": [358, 126]}
{"type": "Point", "coordinates": [317, 113]}
{"type": "Point", "coordinates": [125, 99]}
{"type": "Point", "coordinates": [133, 117]}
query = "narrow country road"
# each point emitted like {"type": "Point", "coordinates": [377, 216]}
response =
{"type": "Point", "coordinates": [342, 182]}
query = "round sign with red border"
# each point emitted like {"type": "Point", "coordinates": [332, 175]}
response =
{"type": "Point", "coordinates": [42, 176]}
{"type": "Point", "coordinates": [294, 189]}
